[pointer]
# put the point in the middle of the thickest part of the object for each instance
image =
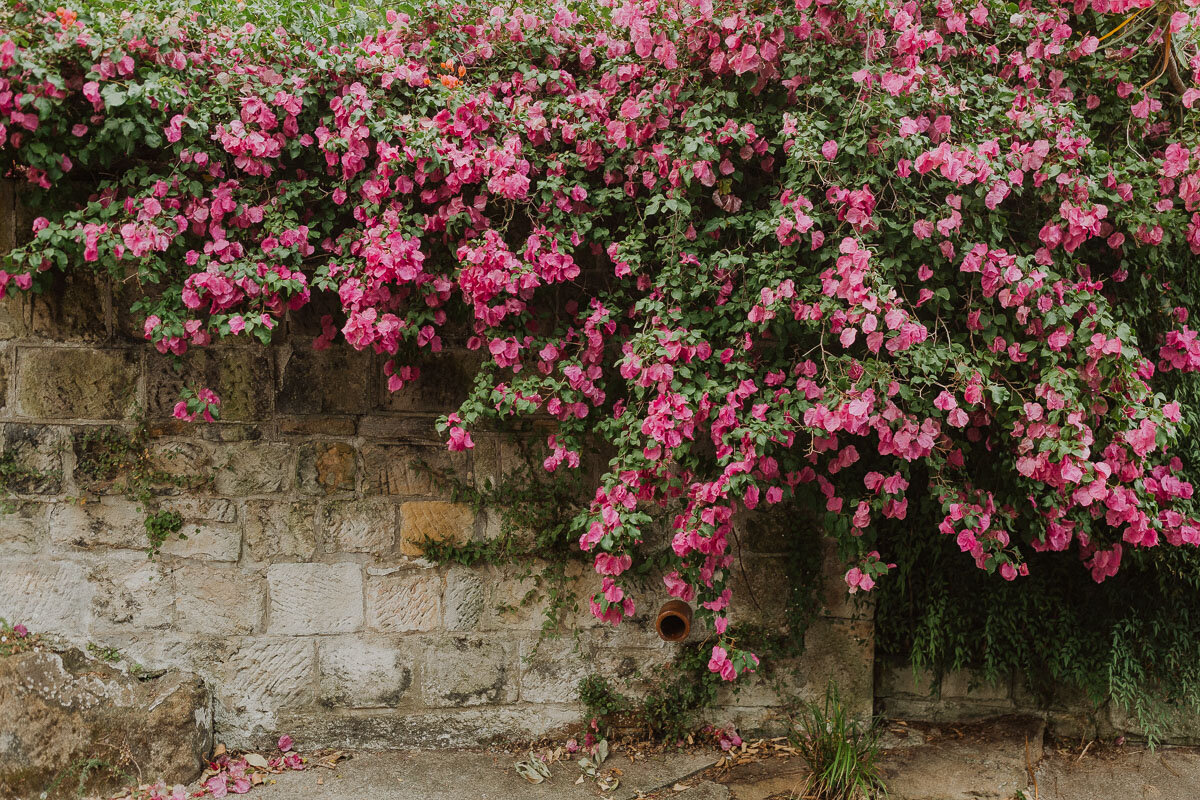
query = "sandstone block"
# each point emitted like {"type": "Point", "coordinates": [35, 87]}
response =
{"type": "Point", "coordinates": [6, 358]}
{"type": "Point", "coordinates": [317, 426]}
{"type": "Point", "coordinates": [315, 598]}
{"type": "Point", "coordinates": [60, 709]}
{"type": "Point", "coordinates": [239, 376]}
{"type": "Point", "coordinates": [49, 596]}
{"type": "Point", "coordinates": [207, 541]}
{"type": "Point", "coordinates": [436, 728]}
{"type": "Point", "coordinates": [443, 385]}
{"type": "Point", "coordinates": [74, 308]}
{"type": "Point", "coordinates": [395, 470]}
{"type": "Point", "coordinates": [333, 381]}
{"type": "Point", "coordinates": [132, 591]}
{"type": "Point", "coordinates": [469, 671]}
{"type": "Point", "coordinates": [551, 670]}
{"type": "Point", "coordinates": [898, 679]}
{"type": "Point", "coordinates": [216, 600]}
{"type": "Point", "coordinates": [263, 675]}
{"type": "Point", "coordinates": [503, 604]}
{"type": "Point", "coordinates": [189, 461]}
{"type": "Point", "coordinates": [965, 685]}
{"type": "Point", "coordinates": [365, 673]}
{"type": "Point", "coordinates": [279, 530]}
{"type": "Point", "coordinates": [247, 468]}
{"type": "Point", "coordinates": [359, 526]}
{"type": "Point", "coordinates": [113, 522]}
{"type": "Point", "coordinates": [70, 383]}
{"type": "Point", "coordinates": [38, 451]}
{"type": "Point", "coordinates": [409, 429]}
{"type": "Point", "coordinates": [433, 520]}
{"type": "Point", "coordinates": [404, 601]}
{"type": "Point", "coordinates": [462, 602]}
{"type": "Point", "coordinates": [23, 530]}
{"type": "Point", "coordinates": [327, 467]}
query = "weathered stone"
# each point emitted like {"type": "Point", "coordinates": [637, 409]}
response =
{"type": "Point", "coordinates": [405, 601]}
{"type": "Point", "coordinates": [413, 430]}
{"type": "Point", "coordinates": [504, 605]}
{"type": "Point", "coordinates": [899, 679]}
{"type": "Point", "coordinates": [216, 600]}
{"type": "Point", "coordinates": [441, 728]}
{"type": "Point", "coordinates": [317, 426]}
{"type": "Point", "coordinates": [6, 358]}
{"type": "Point", "coordinates": [762, 585]}
{"type": "Point", "coordinates": [8, 216]}
{"type": "Point", "coordinates": [208, 541]}
{"type": "Point", "coordinates": [845, 653]}
{"type": "Point", "coordinates": [75, 307]}
{"type": "Point", "coordinates": [203, 509]}
{"type": "Point", "coordinates": [364, 673]}
{"type": "Point", "coordinates": [239, 375]}
{"type": "Point", "coordinates": [111, 522]}
{"type": "Point", "coordinates": [443, 385]}
{"type": "Point", "coordinates": [51, 596]}
{"type": "Point", "coordinates": [264, 674]}
{"type": "Point", "coordinates": [23, 528]}
{"type": "Point", "coordinates": [359, 526]}
{"type": "Point", "coordinates": [396, 469]}
{"type": "Point", "coordinates": [323, 381]}
{"type": "Point", "coordinates": [469, 671]}
{"type": "Point", "coordinates": [275, 530]}
{"type": "Point", "coordinates": [60, 709]}
{"type": "Point", "coordinates": [70, 383]}
{"type": "Point", "coordinates": [132, 591]}
{"type": "Point", "coordinates": [436, 521]}
{"type": "Point", "coordinates": [462, 602]}
{"type": "Point", "coordinates": [37, 451]}
{"type": "Point", "coordinates": [189, 462]}
{"type": "Point", "coordinates": [552, 669]}
{"type": "Point", "coordinates": [15, 310]}
{"type": "Point", "coordinates": [965, 685]}
{"type": "Point", "coordinates": [254, 468]}
{"type": "Point", "coordinates": [327, 467]}
{"type": "Point", "coordinates": [315, 598]}
{"type": "Point", "coordinates": [495, 458]}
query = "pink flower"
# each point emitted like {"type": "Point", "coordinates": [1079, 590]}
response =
{"type": "Point", "coordinates": [217, 785]}
{"type": "Point", "coordinates": [829, 150]}
{"type": "Point", "coordinates": [20, 630]}
{"type": "Point", "coordinates": [285, 743]}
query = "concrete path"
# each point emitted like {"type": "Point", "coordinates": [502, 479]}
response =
{"type": "Point", "coordinates": [471, 775]}
{"type": "Point", "coordinates": [1002, 759]}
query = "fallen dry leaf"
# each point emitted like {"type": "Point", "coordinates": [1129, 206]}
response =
{"type": "Point", "coordinates": [255, 760]}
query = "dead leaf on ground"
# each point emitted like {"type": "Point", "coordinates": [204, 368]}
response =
{"type": "Point", "coordinates": [255, 760]}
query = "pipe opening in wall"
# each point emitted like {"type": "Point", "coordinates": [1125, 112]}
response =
{"type": "Point", "coordinates": [674, 621]}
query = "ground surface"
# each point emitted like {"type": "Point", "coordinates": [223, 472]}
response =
{"type": "Point", "coordinates": [1000, 760]}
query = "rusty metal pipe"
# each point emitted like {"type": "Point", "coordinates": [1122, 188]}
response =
{"type": "Point", "coordinates": [674, 621]}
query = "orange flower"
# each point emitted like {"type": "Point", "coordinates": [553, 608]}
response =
{"type": "Point", "coordinates": [66, 17]}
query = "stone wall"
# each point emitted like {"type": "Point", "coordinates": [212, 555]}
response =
{"type": "Point", "coordinates": [904, 693]}
{"type": "Point", "coordinates": [300, 594]}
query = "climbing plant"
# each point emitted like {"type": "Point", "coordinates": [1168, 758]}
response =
{"type": "Point", "coordinates": [846, 254]}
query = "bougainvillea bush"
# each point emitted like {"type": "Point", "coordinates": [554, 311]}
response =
{"type": "Point", "coordinates": [838, 252]}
